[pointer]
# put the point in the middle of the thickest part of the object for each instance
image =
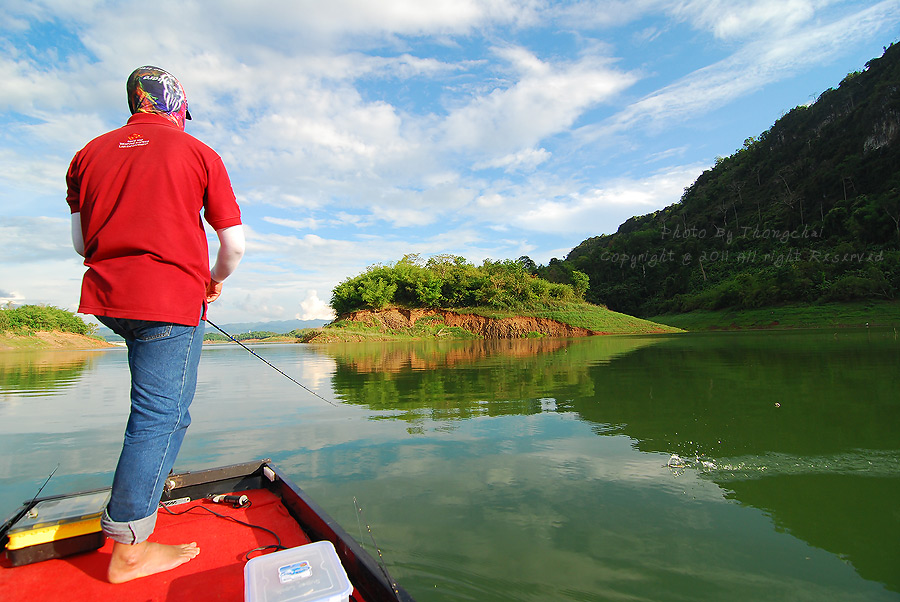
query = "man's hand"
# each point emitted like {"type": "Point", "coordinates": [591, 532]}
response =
{"type": "Point", "coordinates": [213, 290]}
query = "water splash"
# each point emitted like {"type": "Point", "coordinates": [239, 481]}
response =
{"type": "Point", "coordinates": [678, 465]}
{"type": "Point", "coordinates": [875, 463]}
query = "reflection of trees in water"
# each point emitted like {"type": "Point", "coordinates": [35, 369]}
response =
{"type": "Point", "coordinates": [456, 380]}
{"type": "Point", "coordinates": [844, 503]}
{"type": "Point", "coordinates": [801, 426]}
{"type": "Point", "coordinates": [753, 394]}
{"type": "Point", "coordinates": [853, 516]}
{"type": "Point", "coordinates": [42, 372]}
{"type": "Point", "coordinates": [375, 357]}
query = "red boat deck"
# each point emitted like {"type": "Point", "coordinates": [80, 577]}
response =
{"type": "Point", "coordinates": [217, 574]}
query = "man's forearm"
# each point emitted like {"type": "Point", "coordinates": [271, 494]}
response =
{"type": "Point", "coordinates": [231, 250]}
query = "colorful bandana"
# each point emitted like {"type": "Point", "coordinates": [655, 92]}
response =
{"type": "Point", "coordinates": [153, 90]}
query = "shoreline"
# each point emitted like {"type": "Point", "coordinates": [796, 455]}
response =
{"type": "Point", "coordinates": [852, 314]}
{"type": "Point", "coordinates": [49, 340]}
{"type": "Point", "coordinates": [875, 314]}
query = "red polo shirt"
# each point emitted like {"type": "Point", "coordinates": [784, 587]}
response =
{"type": "Point", "coordinates": [140, 190]}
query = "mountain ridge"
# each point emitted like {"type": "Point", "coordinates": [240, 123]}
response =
{"type": "Point", "coordinates": [806, 212]}
{"type": "Point", "coordinates": [235, 328]}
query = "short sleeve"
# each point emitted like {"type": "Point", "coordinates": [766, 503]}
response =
{"type": "Point", "coordinates": [220, 205]}
{"type": "Point", "coordinates": [73, 187]}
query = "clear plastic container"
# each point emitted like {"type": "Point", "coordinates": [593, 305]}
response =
{"type": "Point", "coordinates": [55, 519]}
{"type": "Point", "coordinates": [310, 573]}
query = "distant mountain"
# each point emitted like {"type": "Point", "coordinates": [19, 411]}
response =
{"type": "Point", "coordinates": [278, 326]}
{"type": "Point", "coordinates": [808, 211]}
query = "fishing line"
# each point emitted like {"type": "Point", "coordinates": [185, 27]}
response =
{"type": "Point", "coordinates": [381, 564]}
{"type": "Point", "coordinates": [267, 362]}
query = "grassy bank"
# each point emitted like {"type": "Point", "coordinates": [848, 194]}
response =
{"type": "Point", "coordinates": [347, 331]}
{"type": "Point", "coordinates": [582, 315]}
{"type": "Point", "coordinates": [45, 327]}
{"type": "Point", "coordinates": [53, 339]}
{"type": "Point", "coordinates": [826, 315]}
{"type": "Point", "coordinates": [577, 314]}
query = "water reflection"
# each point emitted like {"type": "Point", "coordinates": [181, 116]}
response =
{"type": "Point", "coordinates": [38, 373]}
{"type": "Point", "coordinates": [802, 426]}
{"type": "Point", "coordinates": [537, 470]}
{"type": "Point", "coordinates": [430, 355]}
{"type": "Point", "coordinates": [464, 379]}
{"type": "Point", "coordinates": [728, 395]}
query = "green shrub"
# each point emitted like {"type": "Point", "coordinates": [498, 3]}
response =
{"type": "Point", "coordinates": [852, 287]}
{"type": "Point", "coordinates": [377, 292]}
{"type": "Point", "coordinates": [581, 282]}
{"type": "Point", "coordinates": [345, 297]}
{"type": "Point", "coordinates": [34, 318]}
{"type": "Point", "coordinates": [450, 281]}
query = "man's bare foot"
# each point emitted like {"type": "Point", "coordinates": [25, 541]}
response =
{"type": "Point", "coordinates": [147, 558]}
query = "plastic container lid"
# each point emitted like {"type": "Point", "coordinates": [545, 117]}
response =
{"type": "Point", "coordinates": [57, 519]}
{"type": "Point", "coordinates": [63, 510]}
{"type": "Point", "coordinates": [310, 573]}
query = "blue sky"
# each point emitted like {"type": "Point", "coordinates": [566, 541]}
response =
{"type": "Point", "coordinates": [356, 132]}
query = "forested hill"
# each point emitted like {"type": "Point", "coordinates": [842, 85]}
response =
{"type": "Point", "coordinates": [807, 211]}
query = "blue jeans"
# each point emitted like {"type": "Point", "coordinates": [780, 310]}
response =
{"type": "Point", "coordinates": [163, 360]}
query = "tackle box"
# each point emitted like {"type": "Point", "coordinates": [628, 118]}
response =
{"type": "Point", "coordinates": [57, 527]}
{"type": "Point", "coordinates": [310, 573]}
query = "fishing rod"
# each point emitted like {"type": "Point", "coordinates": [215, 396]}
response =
{"type": "Point", "coordinates": [28, 509]}
{"type": "Point", "coordinates": [268, 363]}
{"type": "Point", "coordinates": [381, 565]}
{"type": "Point", "coordinates": [53, 472]}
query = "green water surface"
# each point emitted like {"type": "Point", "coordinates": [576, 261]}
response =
{"type": "Point", "coordinates": [726, 466]}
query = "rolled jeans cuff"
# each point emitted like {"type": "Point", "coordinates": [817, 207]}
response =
{"type": "Point", "coordinates": [130, 532]}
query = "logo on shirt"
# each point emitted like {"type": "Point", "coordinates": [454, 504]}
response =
{"type": "Point", "coordinates": [135, 139]}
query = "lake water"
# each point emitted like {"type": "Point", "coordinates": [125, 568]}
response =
{"type": "Point", "coordinates": [726, 466]}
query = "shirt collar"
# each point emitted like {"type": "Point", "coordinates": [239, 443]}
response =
{"type": "Point", "coordinates": [150, 118]}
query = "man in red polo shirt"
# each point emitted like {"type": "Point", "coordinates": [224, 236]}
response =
{"type": "Point", "coordinates": [136, 195]}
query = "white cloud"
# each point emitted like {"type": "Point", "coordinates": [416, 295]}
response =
{"type": "Point", "coordinates": [546, 99]}
{"type": "Point", "coordinates": [35, 239]}
{"type": "Point", "coordinates": [599, 210]}
{"type": "Point", "coordinates": [55, 282]}
{"type": "Point", "coordinates": [388, 17]}
{"type": "Point", "coordinates": [296, 224]}
{"type": "Point", "coordinates": [24, 174]}
{"type": "Point", "coordinates": [404, 217]}
{"type": "Point", "coordinates": [743, 18]}
{"type": "Point", "coordinates": [314, 308]}
{"type": "Point", "coordinates": [526, 159]}
{"type": "Point", "coordinates": [589, 14]}
{"type": "Point", "coordinates": [11, 298]}
{"type": "Point", "coordinates": [406, 66]}
{"type": "Point", "coordinates": [755, 66]}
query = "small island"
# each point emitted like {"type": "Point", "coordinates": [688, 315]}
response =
{"type": "Point", "coordinates": [448, 297]}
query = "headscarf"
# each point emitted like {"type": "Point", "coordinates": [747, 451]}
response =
{"type": "Point", "coordinates": [154, 90]}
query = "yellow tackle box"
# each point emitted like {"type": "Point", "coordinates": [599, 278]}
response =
{"type": "Point", "coordinates": [57, 527]}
